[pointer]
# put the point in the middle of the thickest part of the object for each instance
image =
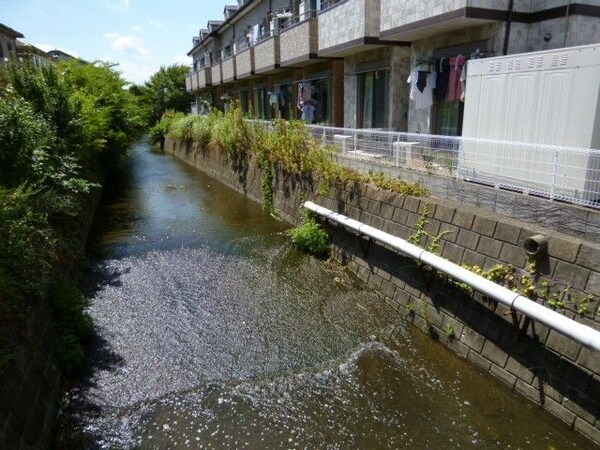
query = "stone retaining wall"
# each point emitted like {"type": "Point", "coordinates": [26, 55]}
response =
{"type": "Point", "coordinates": [541, 364]}
{"type": "Point", "coordinates": [31, 381]}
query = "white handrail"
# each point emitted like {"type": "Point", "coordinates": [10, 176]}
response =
{"type": "Point", "coordinates": [581, 333]}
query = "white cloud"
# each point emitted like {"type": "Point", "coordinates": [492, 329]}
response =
{"type": "Point", "coordinates": [129, 44]}
{"type": "Point", "coordinates": [117, 5]}
{"type": "Point", "coordinates": [138, 28]}
{"type": "Point", "coordinates": [136, 73]}
{"type": "Point", "coordinates": [182, 59]}
{"type": "Point", "coordinates": [157, 24]}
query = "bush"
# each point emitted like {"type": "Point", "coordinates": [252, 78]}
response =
{"type": "Point", "coordinates": [202, 130]}
{"type": "Point", "coordinates": [159, 132]}
{"type": "Point", "coordinates": [310, 237]}
{"type": "Point", "coordinates": [231, 132]}
{"type": "Point", "coordinates": [72, 325]}
{"type": "Point", "coordinates": [181, 128]}
{"type": "Point", "coordinates": [59, 127]}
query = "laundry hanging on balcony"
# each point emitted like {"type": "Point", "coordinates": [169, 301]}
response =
{"type": "Point", "coordinates": [422, 84]}
{"type": "Point", "coordinates": [457, 78]}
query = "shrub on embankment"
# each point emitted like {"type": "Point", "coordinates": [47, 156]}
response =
{"type": "Point", "coordinates": [61, 128]}
{"type": "Point", "coordinates": [288, 145]}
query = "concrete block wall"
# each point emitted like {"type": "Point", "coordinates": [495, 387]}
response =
{"type": "Point", "coordinates": [31, 382]}
{"type": "Point", "coordinates": [547, 368]}
{"type": "Point", "coordinates": [30, 388]}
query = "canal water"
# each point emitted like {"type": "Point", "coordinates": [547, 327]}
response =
{"type": "Point", "coordinates": [213, 332]}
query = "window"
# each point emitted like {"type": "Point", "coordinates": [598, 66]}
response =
{"type": "Point", "coordinates": [373, 99]}
{"type": "Point", "coordinates": [244, 103]}
{"type": "Point", "coordinates": [313, 103]}
{"type": "Point", "coordinates": [1, 51]}
{"type": "Point", "coordinates": [261, 103]}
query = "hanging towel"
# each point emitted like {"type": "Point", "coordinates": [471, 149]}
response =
{"type": "Point", "coordinates": [443, 78]}
{"type": "Point", "coordinates": [463, 82]}
{"type": "Point", "coordinates": [456, 65]}
{"type": "Point", "coordinates": [421, 80]}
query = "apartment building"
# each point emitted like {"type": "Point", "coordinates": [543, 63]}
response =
{"type": "Point", "coordinates": [28, 52]}
{"type": "Point", "coordinates": [8, 43]}
{"type": "Point", "coordinates": [378, 64]}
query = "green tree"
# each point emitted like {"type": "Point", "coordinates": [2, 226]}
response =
{"type": "Point", "coordinates": [165, 90]}
{"type": "Point", "coordinates": [58, 124]}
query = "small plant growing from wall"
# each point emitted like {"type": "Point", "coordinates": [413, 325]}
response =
{"type": "Point", "coordinates": [410, 309]}
{"type": "Point", "coordinates": [420, 236]}
{"type": "Point", "coordinates": [449, 331]}
{"type": "Point", "coordinates": [310, 237]}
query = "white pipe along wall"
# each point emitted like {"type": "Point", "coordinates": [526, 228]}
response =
{"type": "Point", "coordinates": [581, 333]}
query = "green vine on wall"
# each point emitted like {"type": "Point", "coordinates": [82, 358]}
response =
{"type": "Point", "coordinates": [526, 284]}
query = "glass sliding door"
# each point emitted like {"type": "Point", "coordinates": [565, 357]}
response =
{"type": "Point", "coordinates": [373, 99]}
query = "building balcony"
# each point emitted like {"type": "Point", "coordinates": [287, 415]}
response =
{"type": "Point", "coordinates": [411, 20]}
{"type": "Point", "coordinates": [244, 63]}
{"type": "Point", "coordinates": [204, 77]}
{"type": "Point", "coordinates": [216, 74]}
{"type": "Point", "coordinates": [194, 81]}
{"type": "Point", "coordinates": [299, 42]}
{"type": "Point", "coordinates": [188, 81]}
{"type": "Point", "coordinates": [348, 26]}
{"type": "Point", "coordinates": [191, 82]}
{"type": "Point", "coordinates": [267, 55]}
{"type": "Point", "coordinates": [228, 69]}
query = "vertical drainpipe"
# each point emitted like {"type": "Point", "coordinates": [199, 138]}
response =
{"type": "Point", "coordinates": [567, 22]}
{"type": "Point", "coordinates": [508, 24]}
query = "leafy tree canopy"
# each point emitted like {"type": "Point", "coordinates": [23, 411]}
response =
{"type": "Point", "coordinates": [165, 90]}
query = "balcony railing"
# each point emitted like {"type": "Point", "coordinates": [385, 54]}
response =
{"type": "Point", "coordinates": [244, 58]}
{"type": "Point", "coordinates": [216, 74]}
{"type": "Point", "coordinates": [267, 52]}
{"type": "Point", "coordinates": [204, 77]}
{"type": "Point", "coordinates": [228, 69]}
{"type": "Point", "coordinates": [299, 40]}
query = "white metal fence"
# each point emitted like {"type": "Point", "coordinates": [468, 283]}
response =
{"type": "Point", "coordinates": [562, 173]}
{"type": "Point", "coordinates": [555, 172]}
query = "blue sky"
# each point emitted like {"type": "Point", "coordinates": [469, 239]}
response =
{"type": "Point", "coordinates": [139, 35]}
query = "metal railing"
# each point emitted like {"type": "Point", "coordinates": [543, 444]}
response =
{"type": "Point", "coordinates": [298, 18]}
{"type": "Point", "coordinates": [569, 174]}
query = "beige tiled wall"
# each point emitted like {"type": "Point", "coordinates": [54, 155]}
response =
{"type": "Point", "coordinates": [299, 41]}
{"type": "Point", "coordinates": [348, 21]}
{"type": "Point", "coordinates": [266, 54]}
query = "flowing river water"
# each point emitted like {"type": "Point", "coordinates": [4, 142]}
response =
{"type": "Point", "coordinates": [213, 332]}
